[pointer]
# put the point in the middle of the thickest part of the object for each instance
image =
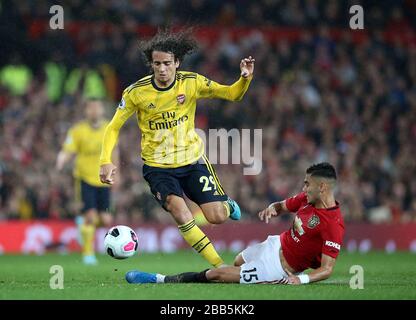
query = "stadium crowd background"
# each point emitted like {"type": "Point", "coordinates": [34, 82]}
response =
{"type": "Point", "coordinates": [345, 97]}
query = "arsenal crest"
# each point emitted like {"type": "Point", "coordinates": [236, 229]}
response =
{"type": "Point", "coordinates": [180, 98]}
{"type": "Point", "coordinates": [313, 221]}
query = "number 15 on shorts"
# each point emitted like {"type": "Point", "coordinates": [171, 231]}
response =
{"type": "Point", "coordinates": [250, 275]}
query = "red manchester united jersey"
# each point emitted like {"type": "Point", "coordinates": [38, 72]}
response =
{"type": "Point", "coordinates": [314, 231]}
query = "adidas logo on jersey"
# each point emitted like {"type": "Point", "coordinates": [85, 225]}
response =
{"type": "Point", "coordinates": [151, 106]}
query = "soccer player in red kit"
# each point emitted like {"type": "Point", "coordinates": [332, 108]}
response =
{"type": "Point", "coordinates": [313, 241]}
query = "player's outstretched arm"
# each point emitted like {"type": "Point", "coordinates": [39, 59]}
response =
{"type": "Point", "coordinates": [107, 168]}
{"type": "Point", "coordinates": [234, 92]}
{"type": "Point", "coordinates": [273, 210]}
{"type": "Point", "coordinates": [247, 67]}
{"type": "Point", "coordinates": [238, 89]}
{"type": "Point", "coordinates": [63, 158]}
{"type": "Point", "coordinates": [319, 274]}
{"type": "Point", "coordinates": [69, 149]}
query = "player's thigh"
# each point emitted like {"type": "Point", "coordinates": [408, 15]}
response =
{"type": "Point", "coordinates": [257, 271]}
{"type": "Point", "coordinates": [202, 186]}
{"type": "Point", "coordinates": [265, 268]}
{"type": "Point", "coordinates": [254, 252]}
{"type": "Point", "coordinates": [214, 212]}
{"type": "Point", "coordinates": [178, 209]}
{"type": "Point", "coordinates": [162, 183]}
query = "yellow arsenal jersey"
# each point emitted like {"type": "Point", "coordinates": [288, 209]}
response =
{"type": "Point", "coordinates": [85, 141]}
{"type": "Point", "coordinates": [166, 117]}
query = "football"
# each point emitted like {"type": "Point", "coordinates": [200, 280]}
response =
{"type": "Point", "coordinates": [121, 242]}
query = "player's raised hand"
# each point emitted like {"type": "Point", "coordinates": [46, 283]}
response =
{"type": "Point", "coordinates": [247, 67]}
{"type": "Point", "coordinates": [272, 210]}
{"type": "Point", "coordinates": [107, 173]}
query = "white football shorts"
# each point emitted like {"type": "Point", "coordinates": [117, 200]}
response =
{"type": "Point", "coordinates": [262, 263]}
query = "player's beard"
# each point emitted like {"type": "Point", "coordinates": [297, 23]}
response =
{"type": "Point", "coordinates": [311, 199]}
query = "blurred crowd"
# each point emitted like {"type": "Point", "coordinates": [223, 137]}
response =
{"type": "Point", "coordinates": [298, 13]}
{"type": "Point", "coordinates": [316, 98]}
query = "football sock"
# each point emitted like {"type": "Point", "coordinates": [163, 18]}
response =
{"type": "Point", "coordinates": [200, 242]}
{"type": "Point", "coordinates": [87, 235]}
{"type": "Point", "coordinates": [160, 278]}
{"type": "Point", "coordinates": [187, 277]}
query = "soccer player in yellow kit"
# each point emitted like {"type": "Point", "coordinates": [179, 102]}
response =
{"type": "Point", "coordinates": [84, 141]}
{"type": "Point", "coordinates": [173, 153]}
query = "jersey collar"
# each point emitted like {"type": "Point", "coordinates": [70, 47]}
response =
{"type": "Point", "coordinates": [162, 89]}
{"type": "Point", "coordinates": [329, 209]}
{"type": "Point", "coordinates": [334, 207]}
{"type": "Point", "coordinates": [99, 125]}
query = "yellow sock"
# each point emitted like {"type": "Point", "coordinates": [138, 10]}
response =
{"type": "Point", "coordinates": [227, 208]}
{"type": "Point", "coordinates": [87, 235]}
{"type": "Point", "coordinates": [200, 242]}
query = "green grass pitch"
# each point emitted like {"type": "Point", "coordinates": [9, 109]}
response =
{"type": "Point", "coordinates": [386, 276]}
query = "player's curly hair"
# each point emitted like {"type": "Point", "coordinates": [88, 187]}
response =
{"type": "Point", "coordinates": [180, 44]}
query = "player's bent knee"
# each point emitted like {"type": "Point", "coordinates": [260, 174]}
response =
{"type": "Point", "coordinates": [172, 205]}
{"type": "Point", "coordinates": [215, 219]}
{"type": "Point", "coordinates": [106, 219]}
{"type": "Point", "coordinates": [169, 203]}
{"type": "Point", "coordinates": [216, 215]}
{"type": "Point", "coordinates": [91, 216]}
{"type": "Point", "coordinates": [178, 209]}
